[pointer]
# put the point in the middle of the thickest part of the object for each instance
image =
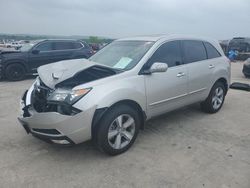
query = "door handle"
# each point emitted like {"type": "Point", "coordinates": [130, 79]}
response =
{"type": "Point", "coordinates": [180, 74]}
{"type": "Point", "coordinates": [211, 66]}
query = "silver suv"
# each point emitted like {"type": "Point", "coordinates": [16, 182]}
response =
{"type": "Point", "coordinates": [109, 97]}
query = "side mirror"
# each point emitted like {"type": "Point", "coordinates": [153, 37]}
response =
{"type": "Point", "coordinates": [158, 67]}
{"type": "Point", "coordinates": [35, 51]}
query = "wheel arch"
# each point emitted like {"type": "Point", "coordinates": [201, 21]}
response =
{"type": "Point", "coordinates": [99, 113]}
{"type": "Point", "coordinates": [21, 62]}
{"type": "Point", "coordinates": [224, 81]}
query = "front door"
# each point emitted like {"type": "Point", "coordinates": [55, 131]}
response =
{"type": "Point", "coordinates": [40, 55]}
{"type": "Point", "coordinates": [167, 90]}
{"type": "Point", "coordinates": [63, 50]}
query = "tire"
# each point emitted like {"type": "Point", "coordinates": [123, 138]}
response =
{"type": "Point", "coordinates": [15, 72]}
{"type": "Point", "coordinates": [114, 138]}
{"type": "Point", "coordinates": [215, 99]}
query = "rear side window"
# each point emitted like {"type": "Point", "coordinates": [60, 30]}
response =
{"type": "Point", "coordinates": [211, 51]}
{"type": "Point", "coordinates": [46, 46]}
{"type": "Point", "coordinates": [194, 51]}
{"type": "Point", "coordinates": [78, 45]}
{"type": "Point", "coordinates": [63, 45]}
{"type": "Point", "coordinates": [169, 53]}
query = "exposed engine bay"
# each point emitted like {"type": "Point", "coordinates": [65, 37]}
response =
{"type": "Point", "coordinates": [41, 92]}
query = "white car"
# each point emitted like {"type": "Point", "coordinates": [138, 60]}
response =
{"type": "Point", "coordinates": [109, 97]}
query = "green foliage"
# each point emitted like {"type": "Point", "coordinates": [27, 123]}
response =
{"type": "Point", "coordinates": [97, 40]}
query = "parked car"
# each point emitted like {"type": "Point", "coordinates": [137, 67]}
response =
{"type": "Point", "coordinates": [109, 97]}
{"type": "Point", "coordinates": [95, 47]}
{"type": "Point", "coordinates": [242, 45]}
{"type": "Point", "coordinates": [224, 45]}
{"type": "Point", "coordinates": [246, 68]}
{"type": "Point", "coordinates": [14, 65]}
{"type": "Point", "coordinates": [15, 45]}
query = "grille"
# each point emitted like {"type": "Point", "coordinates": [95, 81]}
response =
{"type": "Point", "coordinates": [39, 98]}
{"type": "Point", "coordinates": [48, 131]}
{"type": "Point", "coordinates": [41, 104]}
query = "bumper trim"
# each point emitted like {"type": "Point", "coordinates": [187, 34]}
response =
{"type": "Point", "coordinates": [46, 138]}
{"type": "Point", "coordinates": [49, 138]}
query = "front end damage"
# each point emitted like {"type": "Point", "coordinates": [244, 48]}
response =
{"type": "Point", "coordinates": [54, 123]}
{"type": "Point", "coordinates": [57, 121]}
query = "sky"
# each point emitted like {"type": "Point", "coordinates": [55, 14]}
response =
{"type": "Point", "coordinates": [219, 19]}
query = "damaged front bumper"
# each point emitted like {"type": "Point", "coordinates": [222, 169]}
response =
{"type": "Point", "coordinates": [53, 126]}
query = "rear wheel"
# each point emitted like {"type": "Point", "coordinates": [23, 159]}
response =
{"type": "Point", "coordinates": [118, 130]}
{"type": "Point", "coordinates": [15, 72]}
{"type": "Point", "coordinates": [215, 99]}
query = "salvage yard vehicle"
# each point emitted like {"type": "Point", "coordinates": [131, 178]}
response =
{"type": "Point", "coordinates": [242, 46]}
{"type": "Point", "coordinates": [14, 65]}
{"type": "Point", "coordinates": [109, 97]}
{"type": "Point", "coordinates": [246, 68]}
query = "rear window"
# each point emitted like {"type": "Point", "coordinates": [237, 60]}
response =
{"type": "Point", "coordinates": [211, 51]}
{"type": "Point", "coordinates": [78, 45]}
{"type": "Point", "coordinates": [194, 51]}
{"type": "Point", "coordinates": [63, 45]}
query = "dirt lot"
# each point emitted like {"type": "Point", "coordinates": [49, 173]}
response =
{"type": "Point", "coordinates": [185, 148]}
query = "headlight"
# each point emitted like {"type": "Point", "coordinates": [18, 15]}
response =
{"type": "Point", "coordinates": [68, 96]}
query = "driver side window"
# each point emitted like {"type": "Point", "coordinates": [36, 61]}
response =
{"type": "Point", "coordinates": [169, 53]}
{"type": "Point", "coordinates": [47, 46]}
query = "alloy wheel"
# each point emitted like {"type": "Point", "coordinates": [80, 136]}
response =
{"type": "Point", "coordinates": [121, 131]}
{"type": "Point", "coordinates": [218, 98]}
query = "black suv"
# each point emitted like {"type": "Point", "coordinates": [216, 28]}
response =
{"type": "Point", "coordinates": [242, 45]}
{"type": "Point", "coordinates": [14, 65]}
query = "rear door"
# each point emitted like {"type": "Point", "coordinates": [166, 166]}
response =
{"type": "Point", "coordinates": [63, 50]}
{"type": "Point", "coordinates": [167, 90]}
{"type": "Point", "coordinates": [200, 69]}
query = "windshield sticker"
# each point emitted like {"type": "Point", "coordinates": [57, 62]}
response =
{"type": "Point", "coordinates": [124, 61]}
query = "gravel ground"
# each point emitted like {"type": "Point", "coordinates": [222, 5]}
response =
{"type": "Point", "coordinates": [185, 148]}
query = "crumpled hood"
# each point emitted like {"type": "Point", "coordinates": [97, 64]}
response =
{"type": "Point", "coordinates": [55, 73]}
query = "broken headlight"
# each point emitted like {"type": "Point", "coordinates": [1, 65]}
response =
{"type": "Point", "coordinates": [68, 96]}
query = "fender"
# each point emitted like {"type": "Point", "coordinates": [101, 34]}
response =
{"type": "Point", "coordinates": [120, 95]}
{"type": "Point", "coordinates": [222, 72]}
{"type": "Point", "coordinates": [18, 61]}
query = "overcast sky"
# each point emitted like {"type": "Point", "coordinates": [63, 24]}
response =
{"type": "Point", "coordinates": [220, 19]}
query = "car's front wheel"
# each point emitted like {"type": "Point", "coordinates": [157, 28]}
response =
{"type": "Point", "coordinates": [118, 130]}
{"type": "Point", "coordinates": [215, 100]}
{"type": "Point", "coordinates": [15, 72]}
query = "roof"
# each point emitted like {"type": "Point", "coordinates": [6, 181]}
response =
{"type": "Point", "coordinates": [155, 38]}
{"type": "Point", "coordinates": [61, 40]}
{"type": "Point", "coordinates": [143, 38]}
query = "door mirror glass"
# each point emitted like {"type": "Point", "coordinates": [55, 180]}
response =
{"type": "Point", "coordinates": [35, 51]}
{"type": "Point", "coordinates": [158, 67]}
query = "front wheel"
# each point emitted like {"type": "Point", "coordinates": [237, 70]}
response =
{"type": "Point", "coordinates": [118, 130]}
{"type": "Point", "coordinates": [15, 72]}
{"type": "Point", "coordinates": [215, 100]}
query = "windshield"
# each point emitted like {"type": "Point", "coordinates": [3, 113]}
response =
{"type": "Point", "coordinates": [27, 46]}
{"type": "Point", "coordinates": [122, 54]}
